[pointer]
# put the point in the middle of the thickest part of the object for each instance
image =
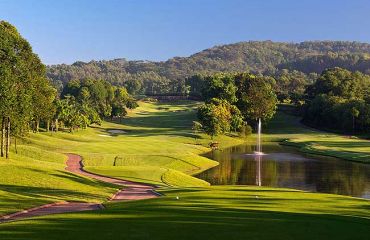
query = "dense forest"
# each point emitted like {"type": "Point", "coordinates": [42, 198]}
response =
{"type": "Point", "coordinates": [339, 100]}
{"type": "Point", "coordinates": [306, 60]}
{"type": "Point", "coordinates": [234, 102]}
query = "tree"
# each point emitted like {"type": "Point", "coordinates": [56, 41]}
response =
{"type": "Point", "coordinates": [119, 103]}
{"type": "Point", "coordinates": [197, 127]}
{"type": "Point", "coordinates": [340, 82]}
{"type": "Point", "coordinates": [131, 103]}
{"type": "Point", "coordinates": [96, 99]}
{"type": "Point", "coordinates": [66, 111]}
{"type": "Point", "coordinates": [21, 71]}
{"type": "Point", "coordinates": [355, 113]}
{"type": "Point", "coordinates": [338, 100]}
{"type": "Point", "coordinates": [290, 85]}
{"type": "Point", "coordinates": [256, 97]}
{"type": "Point", "coordinates": [43, 103]}
{"type": "Point", "coordinates": [215, 117]}
{"type": "Point", "coordinates": [133, 86]}
{"type": "Point", "coordinates": [196, 84]}
{"type": "Point", "coordinates": [245, 130]}
{"type": "Point", "coordinates": [100, 97]}
{"type": "Point", "coordinates": [219, 86]}
{"type": "Point", "coordinates": [237, 121]}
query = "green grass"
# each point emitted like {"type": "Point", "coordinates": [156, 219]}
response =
{"type": "Point", "coordinates": [164, 177]}
{"type": "Point", "coordinates": [290, 131]}
{"type": "Point", "coordinates": [225, 212]}
{"type": "Point", "coordinates": [157, 147]}
{"type": "Point", "coordinates": [35, 176]}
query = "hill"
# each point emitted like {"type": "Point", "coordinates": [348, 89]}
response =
{"type": "Point", "coordinates": [264, 57]}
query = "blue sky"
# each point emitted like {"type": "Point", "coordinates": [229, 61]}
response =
{"type": "Point", "coordinates": [66, 31]}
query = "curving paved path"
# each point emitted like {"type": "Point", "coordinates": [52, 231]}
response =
{"type": "Point", "coordinates": [130, 191]}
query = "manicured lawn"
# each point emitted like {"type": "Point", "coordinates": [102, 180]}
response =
{"type": "Point", "coordinates": [36, 177]}
{"type": "Point", "coordinates": [288, 128]}
{"type": "Point", "coordinates": [148, 174]}
{"type": "Point", "coordinates": [154, 138]}
{"type": "Point", "coordinates": [157, 147]}
{"type": "Point", "coordinates": [210, 213]}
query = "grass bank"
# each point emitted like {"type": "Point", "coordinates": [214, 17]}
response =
{"type": "Point", "coordinates": [289, 131]}
{"type": "Point", "coordinates": [210, 213]}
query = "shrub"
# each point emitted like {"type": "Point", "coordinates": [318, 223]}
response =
{"type": "Point", "coordinates": [245, 131]}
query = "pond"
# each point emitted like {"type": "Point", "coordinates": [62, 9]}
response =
{"type": "Point", "coordinates": [286, 167]}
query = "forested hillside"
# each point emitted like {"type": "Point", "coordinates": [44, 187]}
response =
{"type": "Point", "coordinates": [268, 58]}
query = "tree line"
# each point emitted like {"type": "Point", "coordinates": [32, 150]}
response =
{"type": "Point", "coordinates": [234, 102]}
{"type": "Point", "coordinates": [85, 102]}
{"type": "Point", "coordinates": [339, 100]}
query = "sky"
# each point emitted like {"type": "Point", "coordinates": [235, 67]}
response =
{"type": "Point", "coordinates": [66, 31]}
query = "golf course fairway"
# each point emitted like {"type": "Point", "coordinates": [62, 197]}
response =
{"type": "Point", "coordinates": [156, 145]}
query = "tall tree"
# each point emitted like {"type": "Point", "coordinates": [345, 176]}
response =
{"type": "Point", "coordinates": [43, 103]}
{"type": "Point", "coordinates": [256, 96]}
{"type": "Point", "coordinates": [20, 71]}
{"type": "Point", "coordinates": [221, 86]}
{"type": "Point", "coordinates": [215, 117]}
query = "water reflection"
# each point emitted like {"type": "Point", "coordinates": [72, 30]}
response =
{"type": "Point", "coordinates": [285, 167]}
{"type": "Point", "coordinates": [258, 159]}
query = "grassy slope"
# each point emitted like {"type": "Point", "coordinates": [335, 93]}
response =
{"type": "Point", "coordinates": [210, 213]}
{"type": "Point", "coordinates": [147, 152]}
{"type": "Point", "coordinates": [288, 128]}
{"type": "Point", "coordinates": [37, 176]}
{"type": "Point", "coordinates": [158, 147]}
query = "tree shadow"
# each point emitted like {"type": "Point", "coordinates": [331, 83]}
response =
{"type": "Point", "coordinates": [46, 192]}
{"type": "Point", "coordinates": [171, 219]}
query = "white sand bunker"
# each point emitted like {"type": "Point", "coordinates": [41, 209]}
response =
{"type": "Point", "coordinates": [116, 131]}
{"type": "Point", "coordinates": [104, 135]}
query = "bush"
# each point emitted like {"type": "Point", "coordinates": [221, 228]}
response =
{"type": "Point", "coordinates": [245, 131]}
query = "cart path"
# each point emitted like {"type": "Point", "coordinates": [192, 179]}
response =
{"type": "Point", "coordinates": [130, 191]}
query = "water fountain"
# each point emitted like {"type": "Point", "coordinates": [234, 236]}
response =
{"type": "Point", "coordinates": [258, 159]}
{"type": "Point", "coordinates": [259, 146]}
{"type": "Point", "coordinates": [258, 154]}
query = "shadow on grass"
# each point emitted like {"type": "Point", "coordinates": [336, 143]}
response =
{"type": "Point", "coordinates": [346, 144]}
{"type": "Point", "coordinates": [177, 123]}
{"type": "Point", "coordinates": [73, 177]}
{"type": "Point", "coordinates": [40, 193]}
{"type": "Point", "coordinates": [156, 132]}
{"type": "Point", "coordinates": [170, 219]}
{"type": "Point", "coordinates": [82, 180]}
{"type": "Point", "coordinates": [46, 192]}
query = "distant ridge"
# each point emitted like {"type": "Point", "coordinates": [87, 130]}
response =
{"type": "Point", "coordinates": [264, 57]}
